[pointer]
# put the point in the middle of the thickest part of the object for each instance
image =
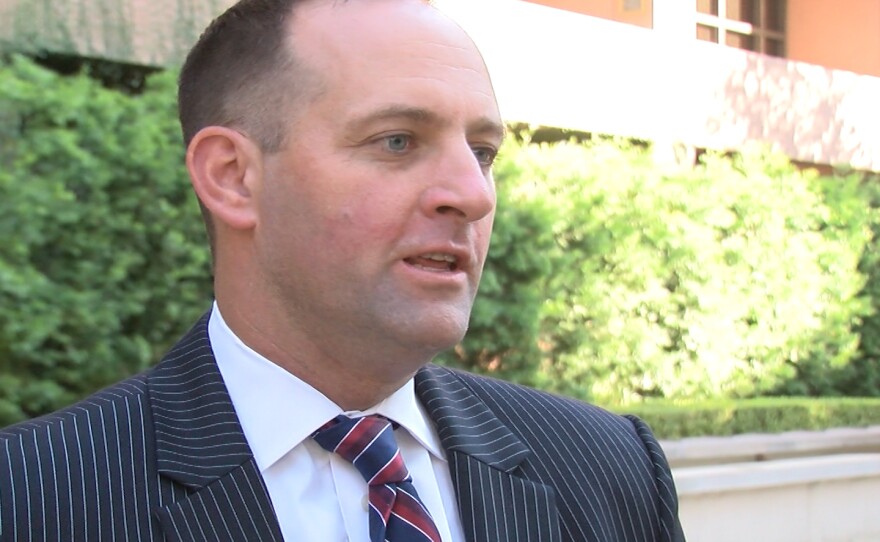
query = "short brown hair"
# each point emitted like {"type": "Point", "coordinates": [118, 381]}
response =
{"type": "Point", "coordinates": [242, 73]}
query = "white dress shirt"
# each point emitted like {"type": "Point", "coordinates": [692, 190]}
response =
{"type": "Point", "coordinates": [317, 495]}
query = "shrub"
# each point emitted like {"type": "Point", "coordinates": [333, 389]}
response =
{"type": "Point", "coordinates": [609, 276]}
{"type": "Point", "coordinates": [102, 253]}
{"type": "Point", "coordinates": [861, 375]}
{"type": "Point", "coordinates": [718, 280]}
{"type": "Point", "coordinates": [762, 415]}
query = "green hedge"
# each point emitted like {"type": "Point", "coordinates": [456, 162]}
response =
{"type": "Point", "coordinates": [762, 415]}
{"type": "Point", "coordinates": [610, 276]}
{"type": "Point", "coordinates": [733, 278]}
{"type": "Point", "coordinates": [103, 260]}
{"type": "Point", "coordinates": [860, 376]}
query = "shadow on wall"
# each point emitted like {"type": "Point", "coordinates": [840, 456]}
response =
{"type": "Point", "coordinates": [810, 113]}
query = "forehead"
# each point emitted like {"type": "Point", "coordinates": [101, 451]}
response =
{"type": "Point", "coordinates": [392, 50]}
{"type": "Point", "coordinates": [334, 25]}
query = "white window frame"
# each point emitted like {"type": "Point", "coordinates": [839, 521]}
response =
{"type": "Point", "coordinates": [722, 25]}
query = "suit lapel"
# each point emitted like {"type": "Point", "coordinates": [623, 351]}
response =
{"type": "Point", "coordinates": [201, 447]}
{"type": "Point", "coordinates": [495, 503]}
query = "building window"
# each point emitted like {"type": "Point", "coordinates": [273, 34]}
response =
{"type": "Point", "coordinates": [754, 25]}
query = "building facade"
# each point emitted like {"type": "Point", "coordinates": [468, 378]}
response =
{"type": "Point", "coordinates": [802, 76]}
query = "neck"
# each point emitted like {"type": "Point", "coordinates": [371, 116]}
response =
{"type": "Point", "coordinates": [354, 382]}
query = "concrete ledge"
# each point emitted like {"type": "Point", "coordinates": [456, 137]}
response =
{"type": "Point", "coordinates": [820, 499]}
{"type": "Point", "coordinates": [761, 447]}
{"type": "Point", "coordinates": [785, 472]}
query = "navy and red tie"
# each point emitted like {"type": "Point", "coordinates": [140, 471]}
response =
{"type": "Point", "coordinates": [396, 512]}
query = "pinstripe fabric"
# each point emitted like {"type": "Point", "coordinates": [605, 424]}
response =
{"type": "Point", "coordinates": [158, 457]}
{"type": "Point", "coordinates": [529, 466]}
{"type": "Point", "coordinates": [234, 508]}
{"type": "Point", "coordinates": [162, 456]}
{"type": "Point", "coordinates": [82, 474]}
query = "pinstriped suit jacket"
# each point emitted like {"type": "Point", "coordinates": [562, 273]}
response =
{"type": "Point", "coordinates": [162, 456]}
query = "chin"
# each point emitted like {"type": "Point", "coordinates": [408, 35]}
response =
{"type": "Point", "coordinates": [444, 343]}
{"type": "Point", "coordinates": [439, 336]}
{"type": "Point", "coordinates": [429, 330]}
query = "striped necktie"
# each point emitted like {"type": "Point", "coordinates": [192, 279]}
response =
{"type": "Point", "coordinates": [396, 512]}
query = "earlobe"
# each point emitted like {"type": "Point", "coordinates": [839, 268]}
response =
{"type": "Point", "coordinates": [224, 168]}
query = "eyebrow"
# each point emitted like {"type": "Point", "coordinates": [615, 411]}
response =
{"type": "Point", "coordinates": [482, 125]}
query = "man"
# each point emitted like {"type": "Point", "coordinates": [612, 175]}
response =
{"type": "Point", "coordinates": [342, 153]}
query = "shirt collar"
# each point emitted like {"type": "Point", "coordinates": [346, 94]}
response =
{"type": "Point", "coordinates": [403, 407]}
{"type": "Point", "coordinates": [278, 411]}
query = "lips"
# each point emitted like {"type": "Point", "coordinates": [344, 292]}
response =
{"type": "Point", "coordinates": [434, 261]}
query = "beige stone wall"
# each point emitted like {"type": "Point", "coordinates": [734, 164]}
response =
{"type": "Point", "coordinates": [556, 68]}
{"type": "Point", "coordinates": [798, 486]}
{"type": "Point", "coordinates": [149, 32]}
{"type": "Point", "coordinates": [821, 499]}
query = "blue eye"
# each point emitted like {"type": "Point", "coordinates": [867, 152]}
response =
{"type": "Point", "coordinates": [397, 142]}
{"type": "Point", "coordinates": [485, 155]}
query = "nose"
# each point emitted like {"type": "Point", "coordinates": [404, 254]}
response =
{"type": "Point", "coordinates": [459, 187]}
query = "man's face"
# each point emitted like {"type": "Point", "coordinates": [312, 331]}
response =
{"type": "Point", "coordinates": [375, 217]}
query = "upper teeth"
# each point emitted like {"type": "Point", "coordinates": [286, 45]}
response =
{"type": "Point", "coordinates": [439, 257]}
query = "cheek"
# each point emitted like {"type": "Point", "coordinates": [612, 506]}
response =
{"type": "Point", "coordinates": [356, 230]}
{"type": "Point", "coordinates": [340, 213]}
{"type": "Point", "coordinates": [484, 230]}
{"type": "Point", "coordinates": [359, 215]}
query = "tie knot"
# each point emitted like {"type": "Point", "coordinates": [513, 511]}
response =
{"type": "Point", "coordinates": [396, 512]}
{"type": "Point", "coordinates": [367, 443]}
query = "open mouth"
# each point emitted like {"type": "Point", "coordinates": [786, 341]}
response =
{"type": "Point", "coordinates": [434, 261]}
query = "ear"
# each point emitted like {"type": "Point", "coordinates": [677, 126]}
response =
{"type": "Point", "coordinates": [225, 168]}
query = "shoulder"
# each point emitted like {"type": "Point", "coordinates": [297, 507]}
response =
{"type": "Point", "coordinates": [105, 416]}
{"type": "Point", "coordinates": [565, 435]}
{"type": "Point", "coordinates": [522, 407]}
{"type": "Point", "coordinates": [601, 465]}
{"type": "Point", "coordinates": [91, 465]}
{"type": "Point", "coordinates": [119, 407]}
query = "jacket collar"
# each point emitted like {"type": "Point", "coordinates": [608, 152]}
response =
{"type": "Point", "coordinates": [464, 422]}
{"type": "Point", "coordinates": [496, 500]}
{"type": "Point", "coordinates": [192, 412]}
{"type": "Point", "coordinates": [198, 434]}
{"type": "Point", "coordinates": [200, 445]}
